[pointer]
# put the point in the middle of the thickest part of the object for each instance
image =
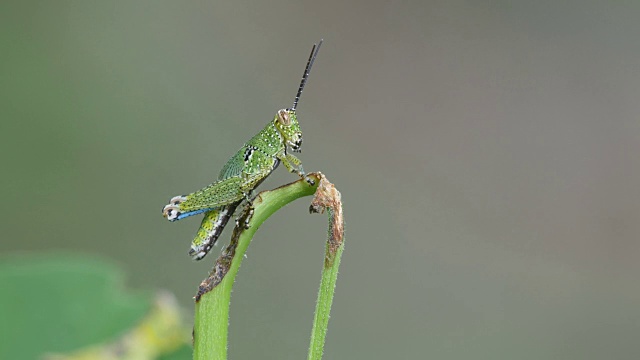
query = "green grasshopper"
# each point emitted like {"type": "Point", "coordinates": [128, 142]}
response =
{"type": "Point", "coordinates": [249, 167]}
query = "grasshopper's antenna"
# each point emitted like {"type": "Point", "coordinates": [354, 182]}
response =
{"type": "Point", "coordinates": [307, 69]}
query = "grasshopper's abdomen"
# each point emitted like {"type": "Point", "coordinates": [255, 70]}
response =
{"type": "Point", "coordinates": [210, 229]}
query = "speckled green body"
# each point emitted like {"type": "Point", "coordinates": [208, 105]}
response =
{"type": "Point", "coordinates": [242, 173]}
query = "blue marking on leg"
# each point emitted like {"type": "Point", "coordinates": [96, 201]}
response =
{"type": "Point", "coordinates": [190, 213]}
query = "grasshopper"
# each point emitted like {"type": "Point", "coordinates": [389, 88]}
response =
{"type": "Point", "coordinates": [242, 173]}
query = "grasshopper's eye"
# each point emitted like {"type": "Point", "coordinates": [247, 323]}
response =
{"type": "Point", "coordinates": [283, 117]}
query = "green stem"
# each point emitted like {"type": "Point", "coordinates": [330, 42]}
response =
{"type": "Point", "coordinates": [212, 302]}
{"type": "Point", "coordinates": [323, 307]}
{"type": "Point", "coordinates": [327, 197]}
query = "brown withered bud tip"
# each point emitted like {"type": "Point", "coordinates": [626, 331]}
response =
{"type": "Point", "coordinates": [328, 197]}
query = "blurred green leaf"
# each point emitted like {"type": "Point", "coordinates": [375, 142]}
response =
{"type": "Point", "coordinates": [58, 303]}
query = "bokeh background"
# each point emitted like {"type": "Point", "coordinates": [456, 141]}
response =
{"type": "Point", "coordinates": [487, 153]}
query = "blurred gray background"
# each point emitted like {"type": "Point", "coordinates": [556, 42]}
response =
{"type": "Point", "coordinates": [487, 153]}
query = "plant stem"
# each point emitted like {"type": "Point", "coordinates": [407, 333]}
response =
{"type": "Point", "coordinates": [327, 197]}
{"type": "Point", "coordinates": [212, 301]}
{"type": "Point", "coordinates": [323, 308]}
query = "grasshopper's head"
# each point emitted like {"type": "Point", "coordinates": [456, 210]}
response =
{"type": "Point", "coordinates": [287, 124]}
{"type": "Point", "coordinates": [286, 121]}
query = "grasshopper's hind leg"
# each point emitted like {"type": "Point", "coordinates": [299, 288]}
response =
{"type": "Point", "coordinates": [210, 229]}
{"type": "Point", "coordinates": [172, 211]}
{"type": "Point", "coordinates": [220, 193]}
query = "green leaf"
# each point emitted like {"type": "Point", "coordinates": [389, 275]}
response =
{"type": "Point", "coordinates": [58, 303]}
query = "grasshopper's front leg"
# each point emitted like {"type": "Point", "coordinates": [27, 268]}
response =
{"type": "Point", "coordinates": [294, 165]}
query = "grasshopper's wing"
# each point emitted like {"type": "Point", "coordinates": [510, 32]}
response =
{"type": "Point", "coordinates": [218, 194]}
{"type": "Point", "coordinates": [249, 162]}
{"type": "Point", "coordinates": [233, 167]}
